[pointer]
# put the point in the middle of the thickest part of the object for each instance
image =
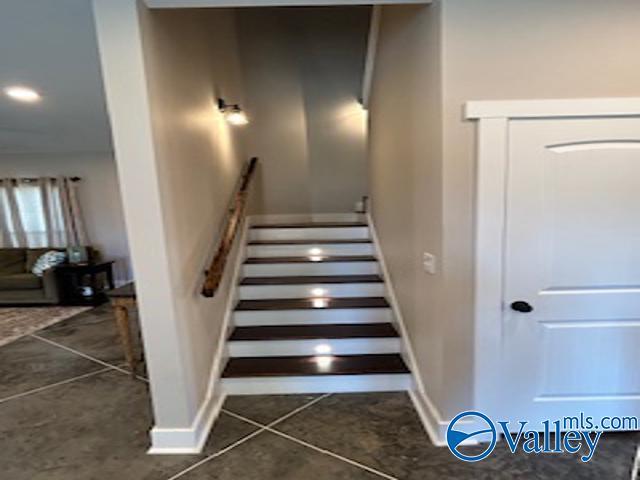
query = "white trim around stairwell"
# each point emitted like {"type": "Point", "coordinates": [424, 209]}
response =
{"type": "Point", "coordinates": [372, 52]}
{"type": "Point", "coordinates": [433, 423]}
{"type": "Point", "coordinates": [185, 441]}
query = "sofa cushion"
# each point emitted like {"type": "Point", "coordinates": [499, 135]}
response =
{"type": "Point", "coordinates": [20, 281]}
{"type": "Point", "coordinates": [33, 254]}
{"type": "Point", "coordinates": [12, 260]}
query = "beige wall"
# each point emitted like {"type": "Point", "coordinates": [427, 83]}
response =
{"type": "Point", "coordinates": [501, 49]}
{"type": "Point", "coordinates": [179, 162]}
{"type": "Point", "coordinates": [303, 74]}
{"type": "Point", "coordinates": [490, 49]}
{"type": "Point", "coordinates": [192, 58]}
{"type": "Point", "coordinates": [405, 144]}
{"type": "Point", "coordinates": [99, 195]}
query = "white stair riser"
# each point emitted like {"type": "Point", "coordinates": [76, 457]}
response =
{"type": "Point", "coordinates": [317, 384]}
{"type": "Point", "coordinates": [341, 346]}
{"type": "Point", "coordinates": [251, 292]}
{"type": "Point", "coordinates": [305, 269]}
{"type": "Point", "coordinates": [308, 250]}
{"type": "Point", "coordinates": [309, 233]}
{"type": "Point", "coordinates": [306, 218]}
{"type": "Point", "coordinates": [311, 317]}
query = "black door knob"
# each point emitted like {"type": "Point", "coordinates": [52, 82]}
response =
{"type": "Point", "coordinates": [522, 307]}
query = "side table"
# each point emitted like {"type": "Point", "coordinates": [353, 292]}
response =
{"type": "Point", "coordinates": [73, 278]}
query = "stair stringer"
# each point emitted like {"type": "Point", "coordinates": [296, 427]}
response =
{"type": "Point", "coordinates": [431, 419]}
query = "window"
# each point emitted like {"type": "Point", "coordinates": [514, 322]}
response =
{"type": "Point", "coordinates": [35, 217]}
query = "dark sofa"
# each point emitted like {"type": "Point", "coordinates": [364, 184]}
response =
{"type": "Point", "coordinates": [18, 285]}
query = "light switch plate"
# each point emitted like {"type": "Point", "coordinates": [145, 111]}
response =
{"type": "Point", "coordinates": [429, 263]}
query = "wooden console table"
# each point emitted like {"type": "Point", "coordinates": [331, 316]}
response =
{"type": "Point", "coordinates": [122, 299]}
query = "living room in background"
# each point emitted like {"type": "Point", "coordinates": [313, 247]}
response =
{"type": "Point", "coordinates": [98, 194]}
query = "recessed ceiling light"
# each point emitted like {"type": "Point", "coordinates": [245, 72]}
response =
{"type": "Point", "coordinates": [22, 94]}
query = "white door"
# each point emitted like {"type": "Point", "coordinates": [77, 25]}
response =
{"type": "Point", "coordinates": [572, 257]}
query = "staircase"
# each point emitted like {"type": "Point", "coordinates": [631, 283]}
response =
{"type": "Point", "coordinates": [312, 314]}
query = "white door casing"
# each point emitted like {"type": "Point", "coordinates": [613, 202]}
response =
{"type": "Point", "coordinates": [558, 227]}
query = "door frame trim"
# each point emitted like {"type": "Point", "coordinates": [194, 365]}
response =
{"type": "Point", "coordinates": [574, 107]}
{"type": "Point", "coordinates": [492, 153]}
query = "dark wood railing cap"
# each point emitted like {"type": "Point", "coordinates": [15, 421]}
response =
{"type": "Point", "coordinates": [236, 214]}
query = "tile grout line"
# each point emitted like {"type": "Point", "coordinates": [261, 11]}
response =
{"type": "Point", "coordinates": [269, 428]}
{"type": "Point", "coordinates": [284, 417]}
{"type": "Point", "coordinates": [636, 464]}
{"type": "Point", "coordinates": [331, 454]}
{"type": "Point", "coordinates": [262, 428]}
{"type": "Point", "coordinates": [51, 385]}
{"type": "Point", "coordinates": [217, 454]}
{"type": "Point", "coordinates": [84, 355]}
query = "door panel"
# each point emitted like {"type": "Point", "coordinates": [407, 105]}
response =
{"type": "Point", "coordinates": [577, 369]}
{"type": "Point", "coordinates": [573, 253]}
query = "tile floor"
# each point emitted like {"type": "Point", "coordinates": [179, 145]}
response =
{"type": "Point", "coordinates": [69, 411]}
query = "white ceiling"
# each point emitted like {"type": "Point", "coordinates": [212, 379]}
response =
{"type": "Point", "coordinates": [50, 45]}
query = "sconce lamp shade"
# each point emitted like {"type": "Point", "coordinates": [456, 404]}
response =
{"type": "Point", "coordinates": [235, 116]}
{"type": "Point", "coordinates": [233, 113]}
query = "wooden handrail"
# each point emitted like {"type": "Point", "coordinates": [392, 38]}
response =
{"type": "Point", "coordinates": [236, 214]}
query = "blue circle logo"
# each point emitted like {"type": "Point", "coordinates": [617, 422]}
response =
{"type": "Point", "coordinates": [481, 424]}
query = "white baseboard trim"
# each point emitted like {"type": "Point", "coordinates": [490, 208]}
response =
{"type": "Point", "coordinates": [433, 423]}
{"type": "Point", "coordinates": [186, 441]}
{"type": "Point", "coordinates": [435, 427]}
{"type": "Point", "coordinates": [121, 283]}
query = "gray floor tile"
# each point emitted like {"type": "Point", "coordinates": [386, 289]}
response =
{"type": "Point", "coordinates": [96, 428]}
{"type": "Point", "coordinates": [380, 430]}
{"type": "Point", "coordinates": [384, 432]}
{"type": "Point", "coordinates": [93, 333]}
{"type": "Point", "coordinates": [271, 457]}
{"type": "Point", "coordinates": [92, 429]}
{"type": "Point", "coordinates": [29, 363]}
{"type": "Point", "coordinates": [265, 409]}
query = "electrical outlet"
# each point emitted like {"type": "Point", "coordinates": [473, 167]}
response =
{"type": "Point", "coordinates": [429, 263]}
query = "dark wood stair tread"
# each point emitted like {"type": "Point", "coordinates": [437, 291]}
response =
{"type": "Point", "coordinates": [311, 225]}
{"type": "Point", "coordinates": [245, 367]}
{"type": "Point", "coordinates": [313, 332]}
{"type": "Point", "coordinates": [307, 304]}
{"type": "Point", "coordinates": [311, 280]}
{"type": "Point", "coordinates": [340, 241]}
{"type": "Point", "coordinates": [324, 259]}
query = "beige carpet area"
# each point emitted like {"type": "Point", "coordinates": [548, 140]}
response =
{"type": "Point", "coordinates": [20, 321]}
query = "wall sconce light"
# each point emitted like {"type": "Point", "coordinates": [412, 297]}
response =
{"type": "Point", "coordinates": [232, 113]}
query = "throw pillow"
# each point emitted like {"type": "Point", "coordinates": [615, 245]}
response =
{"type": "Point", "coordinates": [48, 260]}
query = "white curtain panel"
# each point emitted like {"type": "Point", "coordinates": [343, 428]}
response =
{"type": "Point", "coordinates": [72, 215]}
{"type": "Point", "coordinates": [12, 227]}
{"type": "Point", "coordinates": [44, 213]}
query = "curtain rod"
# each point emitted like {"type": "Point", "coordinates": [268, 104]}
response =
{"type": "Point", "coordinates": [35, 180]}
